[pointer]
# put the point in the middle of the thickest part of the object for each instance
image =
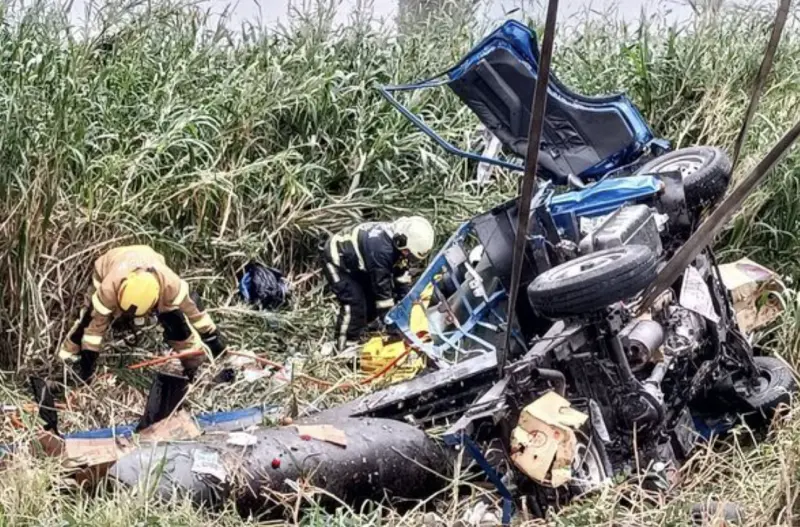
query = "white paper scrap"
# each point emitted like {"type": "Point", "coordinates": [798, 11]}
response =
{"type": "Point", "coordinates": [695, 295]}
{"type": "Point", "coordinates": [208, 462]}
{"type": "Point", "coordinates": [242, 439]}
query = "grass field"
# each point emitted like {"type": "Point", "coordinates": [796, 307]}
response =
{"type": "Point", "coordinates": [217, 146]}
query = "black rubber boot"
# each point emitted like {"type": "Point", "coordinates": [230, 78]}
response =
{"type": "Point", "coordinates": [166, 394]}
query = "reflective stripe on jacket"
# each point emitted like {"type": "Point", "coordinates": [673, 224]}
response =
{"type": "Point", "coordinates": [369, 248]}
{"type": "Point", "coordinates": [111, 269]}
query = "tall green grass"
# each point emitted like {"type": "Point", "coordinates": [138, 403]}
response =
{"type": "Point", "coordinates": [211, 146]}
{"type": "Point", "coordinates": [216, 146]}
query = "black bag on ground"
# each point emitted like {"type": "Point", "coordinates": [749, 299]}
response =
{"type": "Point", "coordinates": [263, 287]}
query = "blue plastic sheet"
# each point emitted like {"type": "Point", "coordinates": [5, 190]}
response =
{"type": "Point", "coordinates": [205, 421]}
{"type": "Point", "coordinates": [605, 196]}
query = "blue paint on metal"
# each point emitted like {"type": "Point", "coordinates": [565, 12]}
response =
{"type": "Point", "coordinates": [521, 41]}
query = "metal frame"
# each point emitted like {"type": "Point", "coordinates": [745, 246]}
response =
{"type": "Point", "coordinates": [387, 91]}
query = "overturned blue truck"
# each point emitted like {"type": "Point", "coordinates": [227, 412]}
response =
{"type": "Point", "coordinates": [595, 382]}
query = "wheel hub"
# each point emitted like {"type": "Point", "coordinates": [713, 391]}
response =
{"type": "Point", "coordinates": [687, 165]}
{"type": "Point", "coordinates": [579, 266]}
{"type": "Point", "coordinates": [587, 468]}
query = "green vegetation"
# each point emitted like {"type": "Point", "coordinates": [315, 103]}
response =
{"type": "Point", "coordinates": [218, 145]}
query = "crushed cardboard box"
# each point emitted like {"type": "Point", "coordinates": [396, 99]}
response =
{"type": "Point", "coordinates": [87, 459]}
{"type": "Point", "coordinates": [90, 459]}
{"type": "Point", "coordinates": [544, 439]}
{"type": "Point", "coordinates": [179, 426]}
{"type": "Point", "coordinates": [755, 293]}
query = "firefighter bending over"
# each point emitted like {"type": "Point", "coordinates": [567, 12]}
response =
{"type": "Point", "coordinates": [367, 268]}
{"type": "Point", "coordinates": [133, 282]}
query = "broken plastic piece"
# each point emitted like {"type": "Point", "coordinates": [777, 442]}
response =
{"type": "Point", "coordinates": [328, 433]}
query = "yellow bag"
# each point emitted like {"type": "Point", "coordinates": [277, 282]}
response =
{"type": "Point", "coordinates": [378, 352]}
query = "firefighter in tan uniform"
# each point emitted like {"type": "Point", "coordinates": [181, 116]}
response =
{"type": "Point", "coordinates": [133, 282]}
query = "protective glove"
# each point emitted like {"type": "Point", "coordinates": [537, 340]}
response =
{"type": "Point", "coordinates": [67, 356]}
{"type": "Point", "coordinates": [215, 343]}
{"type": "Point", "coordinates": [82, 364]}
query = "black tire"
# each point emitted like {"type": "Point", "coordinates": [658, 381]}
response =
{"type": "Point", "coordinates": [706, 172]}
{"type": "Point", "coordinates": [588, 478]}
{"type": "Point", "coordinates": [592, 282]}
{"type": "Point", "coordinates": [776, 387]}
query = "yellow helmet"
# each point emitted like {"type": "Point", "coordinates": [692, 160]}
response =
{"type": "Point", "coordinates": [139, 290]}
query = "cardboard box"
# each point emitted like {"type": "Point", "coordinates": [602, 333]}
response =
{"type": "Point", "coordinates": [88, 459]}
{"type": "Point", "coordinates": [755, 293]}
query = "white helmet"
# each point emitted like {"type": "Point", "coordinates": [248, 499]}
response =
{"type": "Point", "coordinates": [415, 234]}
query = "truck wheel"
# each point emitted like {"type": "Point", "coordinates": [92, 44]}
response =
{"type": "Point", "coordinates": [592, 282]}
{"type": "Point", "coordinates": [590, 468]}
{"type": "Point", "coordinates": [706, 172]}
{"type": "Point", "coordinates": [775, 386]}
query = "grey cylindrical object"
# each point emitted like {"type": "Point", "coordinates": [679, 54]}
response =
{"type": "Point", "coordinates": [383, 459]}
{"type": "Point", "coordinates": [643, 337]}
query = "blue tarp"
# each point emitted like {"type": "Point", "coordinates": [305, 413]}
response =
{"type": "Point", "coordinates": [205, 421]}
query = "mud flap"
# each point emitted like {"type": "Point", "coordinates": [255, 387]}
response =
{"type": "Point", "coordinates": [166, 394]}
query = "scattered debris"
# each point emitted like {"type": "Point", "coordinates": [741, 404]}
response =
{"type": "Point", "coordinates": [545, 438]}
{"type": "Point", "coordinates": [208, 462]}
{"type": "Point", "coordinates": [696, 297]}
{"type": "Point", "coordinates": [327, 348]}
{"type": "Point", "coordinates": [87, 460]}
{"type": "Point", "coordinates": [179, 426]}
{"type": "Point", "coordinates": [479, 515]}
{"type": "Point", "coordinates": [251, 375]}
{"type": "Point", "coordinates": [241, 439]}
{"type": "Point", "coordinates": [400, 361]}
{"type": "Point", "coordinates": [241, 360]}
